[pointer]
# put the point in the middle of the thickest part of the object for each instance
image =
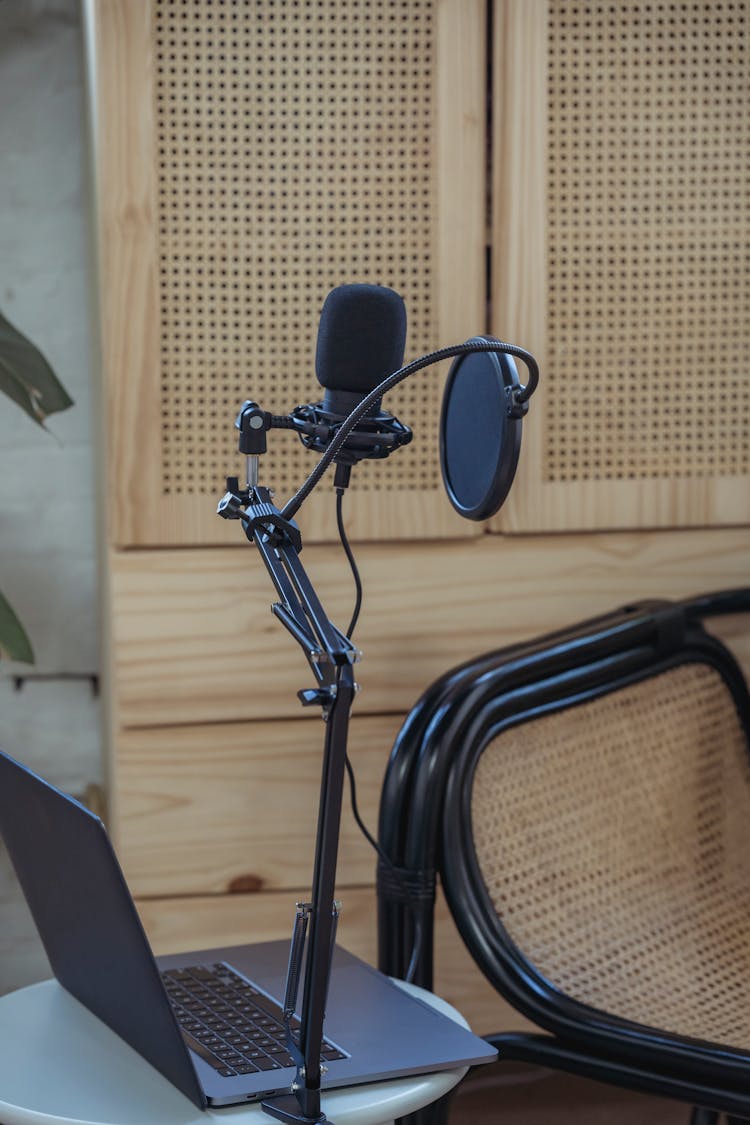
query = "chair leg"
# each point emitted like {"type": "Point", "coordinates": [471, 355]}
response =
{"type": "Point", "coordinates": [434, 1114]}
{"type": "Point", "coordinates": [440, 1110]}
{"type": "Point", "coordinates": [701, 1116]}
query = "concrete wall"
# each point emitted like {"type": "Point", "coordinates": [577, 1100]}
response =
{"type": "Point", "coordinates": [47, 480]}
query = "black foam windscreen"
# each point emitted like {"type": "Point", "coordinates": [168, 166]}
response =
{"type": "Point", "coordinates": [361, 337]}
{"type": "Point", "coordinates": [480, 436]}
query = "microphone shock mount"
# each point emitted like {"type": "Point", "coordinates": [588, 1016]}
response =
{"type": "Point", "coordinates": [376, 436]}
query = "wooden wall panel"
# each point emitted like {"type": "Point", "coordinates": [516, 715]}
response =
{"type": "Point", "coordinates": [194, 640]}
{"type": "Point", "coordinates": [208, 809]}
{"type": "Point", "coordinates": [235, 188]}
{"type": "Point", "coordinates": [178, 924]}
{"type": "Point", "coordinates": [620, 246]}
{"type": "Point", "coordinates": [121, 88]}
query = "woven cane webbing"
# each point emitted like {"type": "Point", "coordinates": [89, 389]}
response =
{"type": "Point", "coordinates": [296, 150]}
{"type": "Point", "coordinates": [613, 840]}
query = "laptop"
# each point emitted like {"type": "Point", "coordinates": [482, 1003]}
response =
{"type": "Point", "coordinates": [209, 1021]}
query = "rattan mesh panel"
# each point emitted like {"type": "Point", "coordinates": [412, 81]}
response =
{"type": "Point", "coordinates": [648, 240]}
{"type": "Point", "coordinates": [613, 838]}
{"type": "Point", "coordinates": [296, 152]}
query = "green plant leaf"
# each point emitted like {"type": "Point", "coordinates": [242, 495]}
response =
{"type": "Point", "coordinates": [14, 644]}
{"type": "Point", "coordinates": [27, 378]}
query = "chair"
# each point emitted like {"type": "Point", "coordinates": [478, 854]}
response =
{"type": "Point", "coordinates": [585, 801]}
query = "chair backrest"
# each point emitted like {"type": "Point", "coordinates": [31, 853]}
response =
{"type": "Point", "coordinates": [586, 801]}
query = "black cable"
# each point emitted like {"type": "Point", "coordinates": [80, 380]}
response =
{"type": "Point", "coordinates": [388, 862]}
{"type": "Point", "coordinates": [352, 561]}
{"type": "Point", "coordinates": [384, 858]}
{"type": "Point", "coordinates": [358, 818]}
{"type": "Point", "coordinates": [293, 505]}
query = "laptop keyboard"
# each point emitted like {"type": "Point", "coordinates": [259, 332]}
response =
{"type": "Point", "coordinates": [229, 1022]}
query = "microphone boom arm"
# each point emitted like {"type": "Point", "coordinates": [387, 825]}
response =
{"type": "Point", "coordinates": [279, 543]}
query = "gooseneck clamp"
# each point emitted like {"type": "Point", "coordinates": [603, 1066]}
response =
{"type": "Point", "coordinates": [331, 656]}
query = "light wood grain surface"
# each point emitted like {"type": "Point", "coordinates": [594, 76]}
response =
{"type": "Point", "coordinates": [194, 640]}
{"type": "Point", "coordinates": [214, 808]}
{"type": "Point", "coordinates": [126, 173]}
{"type": "Point", "coordinates": [461, 52]}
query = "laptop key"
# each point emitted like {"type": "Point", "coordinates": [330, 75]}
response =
{"type": "Point", "coordinates": [214, 1045]}
{"type": "Point", "coordinates": [176, 974]}
{"type": "Point", "coordinates": [252, 1053]}
{"type": "Point", "coordinates": [229, 1058]}
{"type": "Point", "coordinates": [264, 1063]}
{"type": "Point", "coordinates": [198, 972]}
{"type": "Point", "coordinates": [202, 1051]}
{"type": "Point", "coordinates": [330, 1054]}
{"type": "Point", "coordinates": [268, 1006]}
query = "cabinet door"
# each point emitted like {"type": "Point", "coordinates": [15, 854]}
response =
{"type": "Point", "coordinates": [621, 246]}
{"type": "Point", "coordinates": [249, 158]}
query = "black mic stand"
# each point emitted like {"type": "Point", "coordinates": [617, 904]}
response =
{"type": "Point", "coordinates": [367, 432]}
{"type": "Point", "coordinates": [331, 656]}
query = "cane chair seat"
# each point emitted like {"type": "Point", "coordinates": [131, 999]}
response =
{"type": "Point", "coordinates": [636, 900]}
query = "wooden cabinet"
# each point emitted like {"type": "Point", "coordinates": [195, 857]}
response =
{"type": "Point", "coordinates": [620, 239]}
{"type": "Point", "coordinates": [249, 157]}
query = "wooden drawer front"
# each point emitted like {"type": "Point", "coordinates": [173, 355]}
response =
{"type": "Point", "coordinates": [194, 640]}
{"type": "Point", "coordinates": [177, 924]}
{"type": "Point", "coordinates": [233, 807]}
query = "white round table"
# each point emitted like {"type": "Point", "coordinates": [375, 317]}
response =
{"type": "Point", "coordinates": [59, 1065]}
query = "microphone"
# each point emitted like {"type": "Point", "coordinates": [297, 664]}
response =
{"type": "Point", "coordinates": [361, 340]}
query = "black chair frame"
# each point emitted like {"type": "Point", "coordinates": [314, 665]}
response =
{"type": "Point", "coordinates": [428, 784]}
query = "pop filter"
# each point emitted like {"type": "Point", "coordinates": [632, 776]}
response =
{"type": "Point", "coordinates": [480, 432]}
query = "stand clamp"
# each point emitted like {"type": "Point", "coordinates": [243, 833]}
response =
{"type": "Point", "coordinates": [287, 1108]}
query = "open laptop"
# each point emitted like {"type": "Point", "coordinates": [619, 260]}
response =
{"type": "Point", "coordinates": [209, 1021]}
